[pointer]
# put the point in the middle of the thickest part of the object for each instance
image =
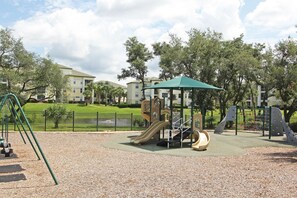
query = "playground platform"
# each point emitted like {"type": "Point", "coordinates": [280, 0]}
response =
{"type": "Point", "coordinates": [226, 144]}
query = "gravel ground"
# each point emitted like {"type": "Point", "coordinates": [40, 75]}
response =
{"type": "Point", "coordinates": [85, 168]}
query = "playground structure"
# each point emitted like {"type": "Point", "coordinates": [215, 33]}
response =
{"type": "Point", "coordinates": [269, 118]}
{"type": "Point", "coordinates": [185, 127]}
{"type": "Point", "coordinates": [154, 111]}
{"type": "Point", "coordinates": [11, 111]}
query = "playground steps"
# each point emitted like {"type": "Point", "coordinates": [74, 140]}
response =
{"type": "Point", "coordinates": [176, 139]}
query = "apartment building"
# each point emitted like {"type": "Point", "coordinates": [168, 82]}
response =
{"type": "Point", "coordinates": [134, 92]}
{"type": "Point", "coordinates": [77, 82]}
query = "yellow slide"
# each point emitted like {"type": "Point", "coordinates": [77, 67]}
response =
{"type": "Point", "coordinates": [146, 130]}
{"type": "Point", "coordinates": [149, 132]}
{"type": "Point", "coordinates": [203, 140]}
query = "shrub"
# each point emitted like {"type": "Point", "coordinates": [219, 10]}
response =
{"type": "Point", "coordinates": [57, 113]}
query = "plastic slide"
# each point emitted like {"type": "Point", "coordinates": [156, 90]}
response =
{"type": "Point", "coordinates": [203, 140]}
{"type": "Point", "coordinates": [145, 131]}
{"type": "Point", "coordinates": [149, 132]}
{"type": "Point", "coordinates": [229, 117]}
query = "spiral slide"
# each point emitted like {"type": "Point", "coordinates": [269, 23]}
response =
{"type": "Point", "coordinates": [149, 132]}
{"type": "Point", "coordinates": [203, 141]}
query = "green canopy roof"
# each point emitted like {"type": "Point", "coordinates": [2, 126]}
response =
{"type": "Point", "coordinates": [182, 82]}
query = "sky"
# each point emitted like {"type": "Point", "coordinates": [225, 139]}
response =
{"type": "Point", "coordinates": [89, 35]}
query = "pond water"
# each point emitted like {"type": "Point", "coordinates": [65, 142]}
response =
{"type": "Point", "coordinates": [121, 122]}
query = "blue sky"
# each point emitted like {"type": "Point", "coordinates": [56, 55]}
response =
{"type": "Point", "coordinates": [88, 35]}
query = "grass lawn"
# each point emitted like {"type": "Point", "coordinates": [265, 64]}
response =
{"type": "Point", "coordinates": [79, 108]}
{"type": "Point", "coordinates": [85, 117]}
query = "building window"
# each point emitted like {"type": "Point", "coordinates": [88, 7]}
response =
{"type": "Point", "coordinates": [73, 90]}
{"type": "Point", "coordinates": [179, 95]}
{"type": "Point", "coordinates": [81, 82]}
{"type": "Point", "coordinates": [136, 95]}
{"type": "Point", "coordinates": [74, 82]}
{"type": "Point", "coordinates": [81, 90]}
{"type": "Point", "coordinates": [136, 86]}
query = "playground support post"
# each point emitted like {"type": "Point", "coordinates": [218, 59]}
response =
{"type": "Point", "coordinates": [151, 110]}
{"type": "Point", "coordinates": [32, 134]}
{"type": "Point", "coordinates": [115, 121]}
{"type": "Point", "coordinates": [97, 121]}
{"type": "Point", "coordinates": [192, 115]}
{"type": "Point", "coordinates": [131, 121]}
{"type": "Point", "coordinates": [45, 120]}
{"type": "Point", "coordinates": [15, 124]}
{"type": "Point", "coordinates": [73, 121]}
{"type": "Point", "coordinates": [24, 129]}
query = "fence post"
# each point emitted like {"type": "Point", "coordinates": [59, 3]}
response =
{"type": "Point", "coordinates": [115, 121]}
{"type": "Point", "coordinates": [263, 121]}
{"type": "Point", "coordinates": [131, 121]}
{"type": "Point", "coordinates": [97, 122]}
{"type": "Point", "coordinates": [236, 119]}
{"type": "Point", "coordinates": [73, 121]}
{"type": "Point", "coordinates": [270, 122]}
{"type": "Point", "coordinates": [45, 120]}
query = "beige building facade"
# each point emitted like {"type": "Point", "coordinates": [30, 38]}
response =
{"type": "Point", "coordinates": [77, 82]}
{"type": "Point", "coordinates": [134, 92]}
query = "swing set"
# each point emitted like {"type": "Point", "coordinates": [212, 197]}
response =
{"type": "Point", "coordinates": [11, 111]}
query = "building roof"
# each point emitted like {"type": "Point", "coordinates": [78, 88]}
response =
{"type": "Point", "coordinates": [80, 74]}
{"type": "Point", "coordinates": [146, 79]}
{"type": "Point", "coordinates": [112, 83]}
{"type": "Point", "coordinates": [64, 67]}
{"type": "Point", "coordinates": [75, 72]}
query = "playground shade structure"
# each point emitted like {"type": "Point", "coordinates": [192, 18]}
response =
{"type": "Point", "coordinates": [203, 141]}
{"type": "Point", "coordinates": [183, 82]}
{"type": "Point", "coordinates": [154, 128]}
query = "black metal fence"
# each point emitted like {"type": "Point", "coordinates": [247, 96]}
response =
{"type": "Point", "coordinates": [87, 122]}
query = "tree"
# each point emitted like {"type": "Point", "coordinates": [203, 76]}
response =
{"type": "Point", "coordinates": [200, 62]}
{"type": "Point", "coordinates": [137, 55]}
{"type": "Point", "coordinates": [262, 74]}
{"type": "Point", "coordinates": [106, 90]}
{"type": "Point", "coordinates": [57, 113]}
{"type": "Point", "coordinates": [118, 92]}
{"type": "Point", "coordinates": [24, 72]}
{"type": "Point", "coordinates": [285, 75]}
{"type": "Point", "coordinates": [170, 57]}
{"type": "Point", "coordinates": [88, 93]}
{"type": "Point", "coordinates": [196, 58]}
{"type": "Point", "coordinates": [237, 66]}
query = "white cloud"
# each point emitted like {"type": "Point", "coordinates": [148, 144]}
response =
{"type": "Point", "coordinates": [92, 39]}
{"type": "Point", "coordinates": [273, 19]}
{"type": "Point", "coordinates": [273, 14]}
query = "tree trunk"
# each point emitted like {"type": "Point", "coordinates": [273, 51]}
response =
{"type": "Point", "coordinates": [288, 112]}
{"type": "Point", "coordinates": [56, 124]}
{"type": "Point", "coordinates": [143, 91]}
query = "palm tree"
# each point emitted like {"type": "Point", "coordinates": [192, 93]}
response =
{"type": "Point", "coordinates": [119, 92]}
{"type": "Point", "coordinates": [98, 90]}
{"type": "Point", "coordinates": [88, 92]}
{"type": "Point", "coordinates": [106, 91]}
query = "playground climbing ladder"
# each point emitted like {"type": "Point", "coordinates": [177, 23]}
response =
{"type": "Point", "coordinates": [10, 101]}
